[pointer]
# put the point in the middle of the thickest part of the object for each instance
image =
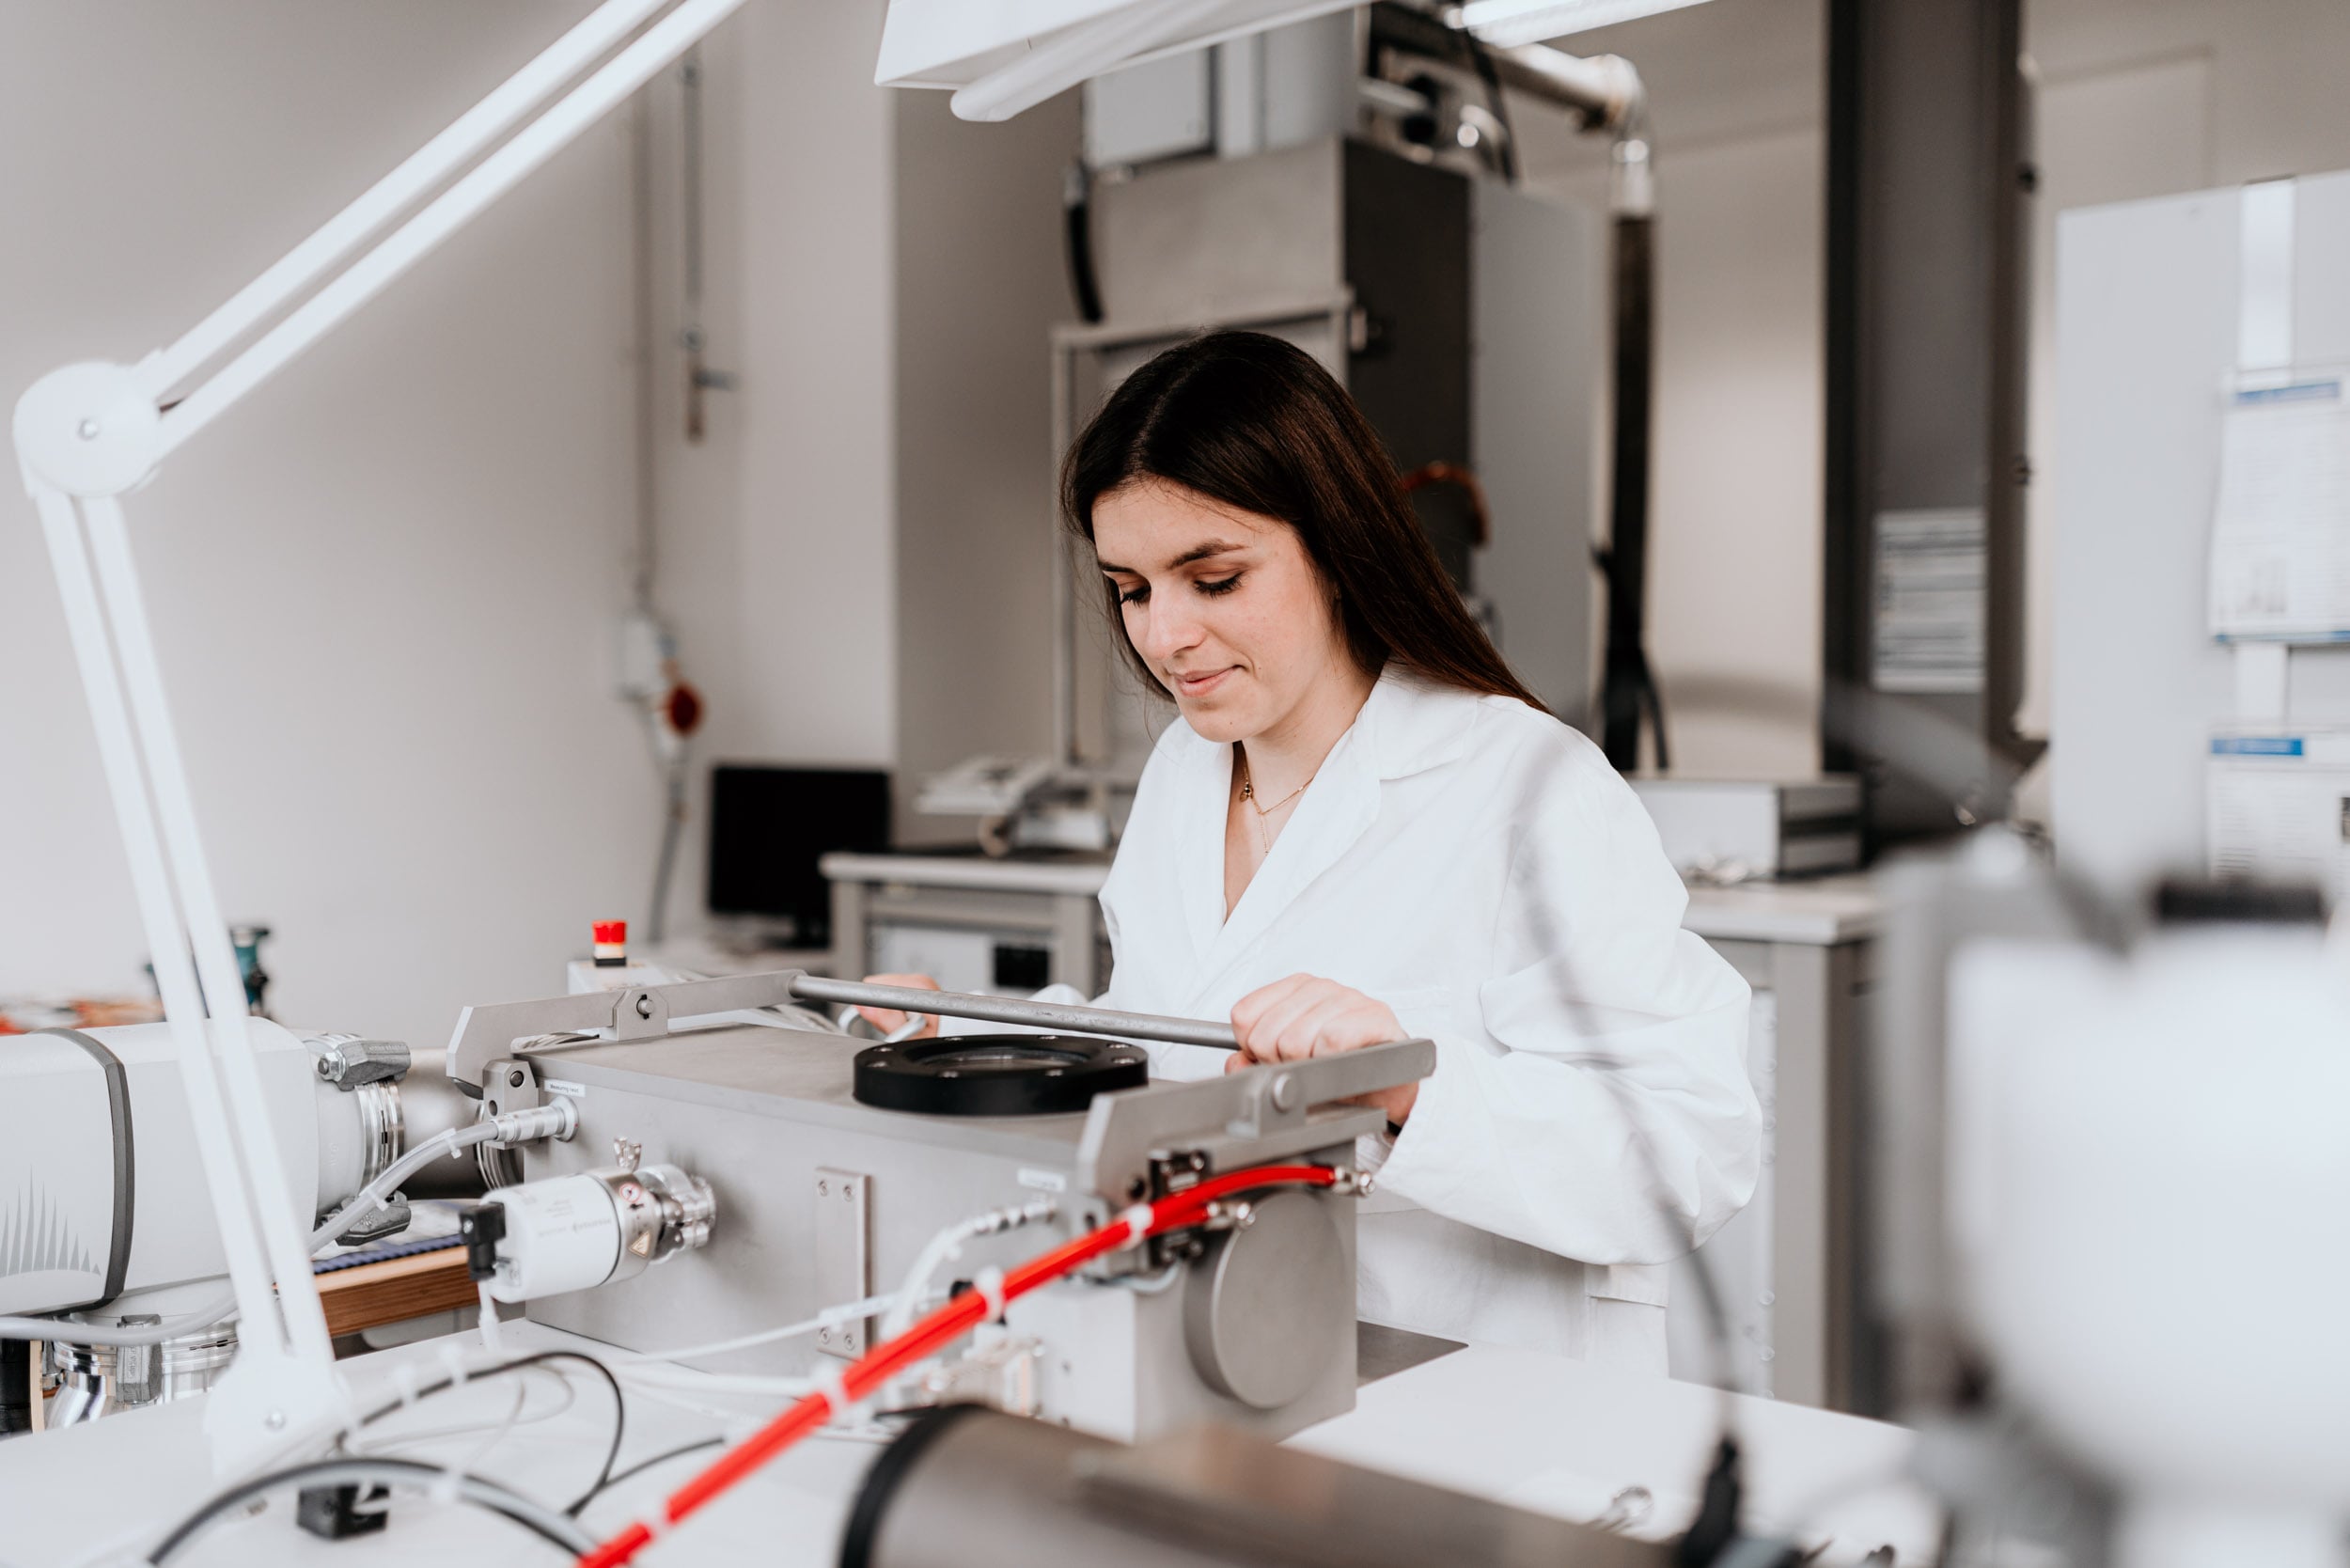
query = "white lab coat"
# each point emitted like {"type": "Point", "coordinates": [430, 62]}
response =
{"type": "Point", "coordinates": [1479, 867]}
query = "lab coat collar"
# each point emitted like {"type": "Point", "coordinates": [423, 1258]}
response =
{"type": "Point", "coordinates": [1407, 726]}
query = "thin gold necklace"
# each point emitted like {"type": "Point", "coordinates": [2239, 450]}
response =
{"type": "Point", "coordinates": [1248, 794]}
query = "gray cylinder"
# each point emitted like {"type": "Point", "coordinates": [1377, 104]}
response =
{"type": "Point", "coordinates": [969, 1487]}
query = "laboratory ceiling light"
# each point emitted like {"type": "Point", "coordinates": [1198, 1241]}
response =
{"type": "Point", "coordinates": [1505, 23]}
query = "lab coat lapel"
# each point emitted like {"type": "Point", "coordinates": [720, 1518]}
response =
{"type": "Point", "coordinates": [1337, 809]}
{"type": "Point", "coordinates": [1207, 786]}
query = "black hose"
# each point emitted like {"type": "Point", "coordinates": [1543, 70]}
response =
{"type": "Point", "coordinates": [1078, 213]}
{"type": "Point", "coordinates": [1628, 692]}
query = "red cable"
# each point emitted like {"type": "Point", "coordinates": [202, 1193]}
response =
{"type": "Point", "coordinates": [933, 1334]}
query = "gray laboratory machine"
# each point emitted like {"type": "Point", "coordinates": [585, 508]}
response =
{"type": "Point", "coordinates": [821, 1197]}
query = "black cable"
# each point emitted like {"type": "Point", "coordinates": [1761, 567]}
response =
{"type": "Point", "coordinates": [640, 1468]}
{"type": "Point", "coordinates": [535, 1517]}
{"type": "Point", "coordinates": [619, 1412]}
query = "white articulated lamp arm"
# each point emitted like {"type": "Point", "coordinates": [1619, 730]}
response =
{"type": "Point", "coordinates": [90, 433]}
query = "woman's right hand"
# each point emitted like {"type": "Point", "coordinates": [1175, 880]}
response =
{"type": "Point", "coordinates": [888, 1019]}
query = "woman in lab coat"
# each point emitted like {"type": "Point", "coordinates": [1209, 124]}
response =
{"type": "Point", "coordinates": [1361, 827]}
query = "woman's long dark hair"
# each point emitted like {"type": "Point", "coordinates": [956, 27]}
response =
{"type": "Point", "coordinates": [1255, 423]}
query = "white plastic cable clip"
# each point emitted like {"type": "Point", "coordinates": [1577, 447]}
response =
{"type": "Point", "coordinates": [488, 1321]}
{"type": "Point", "coordinates": [443, 1491]}
{"type": "Point", "coordinates": [453, 1362]}
{"type": "Point", "coordinates": [990, 1284]}
{"type": "Point", "coordinates": [404, 1384]}
{"type": "Point", "coordinates": [834, 1385]}
{"type": "Point", "coordinates": [1138, 1222]}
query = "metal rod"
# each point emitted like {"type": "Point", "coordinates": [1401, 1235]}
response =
{"type": "Point", "coordinates": [1008, 1009]}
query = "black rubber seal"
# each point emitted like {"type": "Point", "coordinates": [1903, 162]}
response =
{"type": "Point", "coordinates": [998, 1074]}
{"type": "Point", "coordinates": [126, 1168]}
{"type": "Point", "coordinates": [880, 1487]}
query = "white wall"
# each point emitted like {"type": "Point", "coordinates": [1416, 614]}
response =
{"type": "Point", "coordinates": [1735, 562]}
{"type": "Point", "coordinates": [981, 282]}
{"type": "Point", "coordinates": [384, 584]}
{"type": "Point", "coordinates": [778, 552]}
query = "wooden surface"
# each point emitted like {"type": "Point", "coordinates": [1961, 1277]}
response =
{"type": "Point", "coordinates": [373, 1294]}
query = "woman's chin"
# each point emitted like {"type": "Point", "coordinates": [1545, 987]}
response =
{"type": "Point", "coordinates": [1216, 718]}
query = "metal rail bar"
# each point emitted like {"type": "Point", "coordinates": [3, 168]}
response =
{"type": "Point", "coordinates": [1007, 1010]}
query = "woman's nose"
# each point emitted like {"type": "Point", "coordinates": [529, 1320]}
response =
{"type": "Point", "coordinates": [1167, 633]}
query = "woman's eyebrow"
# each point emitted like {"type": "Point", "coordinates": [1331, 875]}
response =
{"type": "Point", "coordinates": [1197, 553]}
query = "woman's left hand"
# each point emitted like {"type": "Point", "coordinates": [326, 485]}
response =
{"type": "Point", "coordinates": [1307, 1016]}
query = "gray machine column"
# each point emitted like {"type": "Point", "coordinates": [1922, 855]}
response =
{"type": "Point", "coordinates": [1923, 551]}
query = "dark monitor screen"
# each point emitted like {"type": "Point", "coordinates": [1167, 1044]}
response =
{"type": "Point", "coordinates": [768, 827]}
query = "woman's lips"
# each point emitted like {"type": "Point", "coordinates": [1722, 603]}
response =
{"type": "Point", "coordinates": [1200, 685]}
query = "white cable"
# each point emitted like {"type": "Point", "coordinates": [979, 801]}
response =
{"type": "Point", "coordinates": [395, 1440]}
{"type": "Point", "coordinates": [489, 1321]}
{"type": "Point", "coordinates": [406, 1441]}
{"type": "Point", "coordinates": [829, 1318]}
{"type": "Point", "coordinates": [946, 1245]}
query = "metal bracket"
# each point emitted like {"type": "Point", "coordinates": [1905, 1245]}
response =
{"type": "Point", "coordinates": [1245, 1117]}
{"type": "Point", "coordinates": [634, 1012]}
{"type": "Point", "coordinates": [844, 1255]}
{"type": "Point", "coordinates": [511, 1084]}
{"type": "Point", "coordinates": [347, 1061]}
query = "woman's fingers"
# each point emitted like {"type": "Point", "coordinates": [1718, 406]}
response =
{"type": "Point", "coordinates": [888, 1019]}
{"type": "Point", "coordinates": [1250, 1010]}
{"type": "Point", "coordinates": [1307, 1016]}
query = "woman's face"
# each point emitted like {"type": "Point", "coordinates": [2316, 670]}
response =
{"type": "Point", "coordinates": [1224, 605]}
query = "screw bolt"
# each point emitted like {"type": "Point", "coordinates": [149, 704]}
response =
{"type": "Point", "coordinates": [276, 1421]}
{"type": "Point", "coordinates": [1284, 1091]}
{"type": "Point", "coordinates": [88, 431]}
{"type": "Point", "coordinates": [644, 1007]}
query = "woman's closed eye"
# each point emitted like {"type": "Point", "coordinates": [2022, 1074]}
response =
{"type": "Point", "coordinates": [1222, 585]}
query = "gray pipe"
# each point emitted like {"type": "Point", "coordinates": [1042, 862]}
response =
{"type": "Point", "coordinates": [1006, 1009]}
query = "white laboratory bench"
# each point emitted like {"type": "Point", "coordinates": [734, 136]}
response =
{"type": "Point", "coordinates": [1537, 1431]}
{"type": "Point", "coordinates": [1789, 1264]}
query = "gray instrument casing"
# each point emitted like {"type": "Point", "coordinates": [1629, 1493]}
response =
{"type": "Point", "coordinates": [821, 1200]}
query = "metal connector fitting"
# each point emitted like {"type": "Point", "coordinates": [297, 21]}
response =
{"type": "Point", "coordinates": [348, 1061]}
{"type": "Point", "coordinates": [557, 1118]}
{"type": "Point", "coordinates": [1351, 1184]}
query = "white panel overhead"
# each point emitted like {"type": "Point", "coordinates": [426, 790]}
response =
{"type": "Point", "coordinates": [1002, 57]}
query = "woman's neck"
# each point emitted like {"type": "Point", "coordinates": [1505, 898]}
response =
{"type": "Point", "coordinates": [1289, 752]}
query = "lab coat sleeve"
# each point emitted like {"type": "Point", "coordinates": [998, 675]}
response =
{"type": "Point", "coordinates": [1596, 1104]}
